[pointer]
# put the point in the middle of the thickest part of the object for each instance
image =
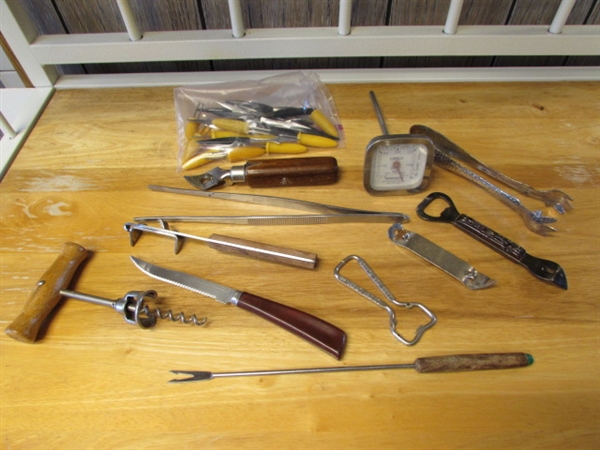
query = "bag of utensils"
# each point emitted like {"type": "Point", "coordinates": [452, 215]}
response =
{"type": "Point", "coordinates": [236, 121]}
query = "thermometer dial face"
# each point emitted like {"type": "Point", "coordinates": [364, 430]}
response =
{"type": "Point", "coordinates": [398, 164]}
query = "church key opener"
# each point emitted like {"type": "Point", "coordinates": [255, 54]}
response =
{"type": "Point", "coordinates": [446, 151]}
{"type": "Point", "coordinates": [52, 286]}
{"type": "Point", "coordinates": [543, 269]}
{"type": "Point", "coordinates": [289, 172]}
{"type": "Point", "coordinates": [379, 302]}
{"type": "Point", "coordinates": [470, 277]}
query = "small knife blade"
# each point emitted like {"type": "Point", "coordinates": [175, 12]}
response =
{"type": "Point", "coordinates": [323, 335]}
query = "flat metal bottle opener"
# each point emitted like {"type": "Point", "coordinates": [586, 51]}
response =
{"type": "Point", "coordinates": [543, 269]}
{"type": "Point", "coordinates": [379, 302]}
{"type": "Point", "coordinates": [443, 259]}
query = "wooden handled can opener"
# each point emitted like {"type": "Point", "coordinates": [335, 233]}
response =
{"type": "Point", "coordinates": [289, 172]}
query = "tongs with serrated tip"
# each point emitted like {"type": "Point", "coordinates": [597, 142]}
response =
{"type": "Point", "coordinates": [324, 214]}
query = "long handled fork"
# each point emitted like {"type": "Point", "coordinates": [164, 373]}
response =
{"type": "Point", "coordinates": [431, 364]}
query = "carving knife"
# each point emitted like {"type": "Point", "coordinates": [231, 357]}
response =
{"type": "Point", "coordinates": [323, 335]}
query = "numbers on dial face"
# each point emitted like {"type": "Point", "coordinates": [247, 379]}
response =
{"type": "Point", "coordinates": [399, 166]}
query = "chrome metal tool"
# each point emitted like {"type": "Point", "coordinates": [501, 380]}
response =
{"type": "Point", "coordinates": [555, 198]}
{"type": "Point", "coordinates": [439, 257]}
{"type": "Point", "coordinates": [388, 295]}
{"type": "Point", "coordinates": [323, 335]}
{"type": "Point", "coordinates": [446, 155]}
{"type": "Point", "coordinates": [543, 269]}
{"type": "Point", "coordinates": [323, 213]}
{"type": "Point", "coordinates": [429, 364]}
{"type": "Point", "coordinates": [230, 245]}
{"type": "Point", "coordinates": [534, 220]}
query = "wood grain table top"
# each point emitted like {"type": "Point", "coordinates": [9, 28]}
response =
{"type": "Point", "coordinates": [93, 381]}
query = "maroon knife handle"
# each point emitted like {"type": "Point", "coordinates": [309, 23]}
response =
{"type": "Point", "coordinates": [322, 334]}
{"type": "Point", "coordinates": [316, 171]}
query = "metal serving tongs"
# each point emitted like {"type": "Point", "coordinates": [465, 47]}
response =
{"type": "Point", "coordinates": [388, 294]}
{"type": "Point", "coordinates": [324, 213]}
{"type": "Point", "coordinates": [555, 198]}
{"type": "Point", "coordinates": [447, 152]}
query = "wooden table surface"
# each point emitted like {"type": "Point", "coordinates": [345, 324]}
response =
{"type": "Point", "coordinates": [93, 381]}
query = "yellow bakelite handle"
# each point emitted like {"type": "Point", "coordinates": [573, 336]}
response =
{"type": "Point", "coordinates": [190, 129]}
{"type": "Point", "coordinates": [243, 153]}
{"type": "Point", "coordinates": [260, 137]}
{"type": "Point", "coordinates": [239, 126]}
{"type": "Point", "coordinates": [218, 134]}
{"type": "Point", "coordinates": [286, 147]}
{"type": "Point", "coordinates": [311, 140]}
{"type": "Point", "coordinates": [233, 155]}
{"type": "Point", "coordinates": [319, 118]}
{"type": "Point", "coordinates": [197, 161]}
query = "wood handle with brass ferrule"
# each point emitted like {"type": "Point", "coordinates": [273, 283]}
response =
{"type": "Point", "coordinates": [45, 297]}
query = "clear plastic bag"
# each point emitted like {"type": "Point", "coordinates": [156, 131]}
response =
{"type": "Point", "coordinates": [284, 114]}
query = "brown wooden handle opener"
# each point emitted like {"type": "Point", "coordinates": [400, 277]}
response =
{"type": "Point", "coordinates": [315, 171]}
{"type": "Point", "coordinates": [52, 286]}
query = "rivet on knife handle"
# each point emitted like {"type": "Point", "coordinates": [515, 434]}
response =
{"type": "Point", "coordinates": [323, 335]}
{"type": "Point", "coordinates": [315, 171]}
{"type": "Point", "coordinates": [543, 269]}
{"type": "Point", "coordinates": [436, 255]}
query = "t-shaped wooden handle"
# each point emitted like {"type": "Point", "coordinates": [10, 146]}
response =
{"type": "Point", "coordinates": [46, 295]}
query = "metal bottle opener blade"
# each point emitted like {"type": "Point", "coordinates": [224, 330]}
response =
{"type": "Point", "coordinates": [436, 255]}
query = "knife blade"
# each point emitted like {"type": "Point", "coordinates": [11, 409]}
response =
{"type": "Point", "coordinates": [321, 334]}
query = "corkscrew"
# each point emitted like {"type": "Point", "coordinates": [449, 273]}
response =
{"type": "Point", "coordinates": [132, 306]}
{"type": "Point", "coordinates": [52, 286]}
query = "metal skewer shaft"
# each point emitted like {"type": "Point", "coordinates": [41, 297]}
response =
{"type": "Point", "coordinates": [432, 364]}
{"type": "Point", "coordinates": [377, 109]}
{"type": "Point", "coordinates": [89, 298]}
{"type": "Point", "coordinates": [231, 245]}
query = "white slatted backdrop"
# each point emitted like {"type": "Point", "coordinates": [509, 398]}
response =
{"type": "Point", "coordinates": [38, 55]}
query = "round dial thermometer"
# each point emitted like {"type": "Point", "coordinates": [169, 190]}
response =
{"type": "Point", "coordinates": [398, 164]}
